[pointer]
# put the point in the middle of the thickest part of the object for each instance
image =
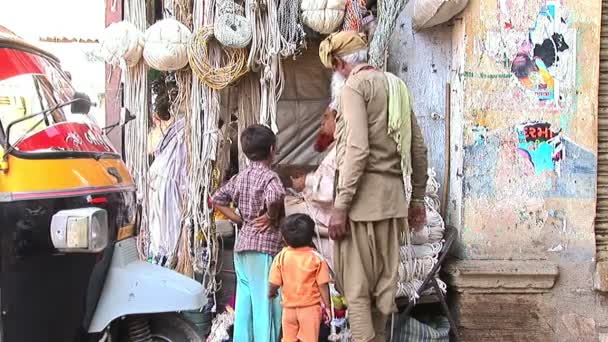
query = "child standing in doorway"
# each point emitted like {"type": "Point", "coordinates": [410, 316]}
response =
{"type": "Point", "coordinates": [258, 194]}
{"type": "Point", "coordinates": [303, 275]}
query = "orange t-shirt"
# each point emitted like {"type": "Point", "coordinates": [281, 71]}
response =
{"type": "Point", "coordinates": [299, 272]}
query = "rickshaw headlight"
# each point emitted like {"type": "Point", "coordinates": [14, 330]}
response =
{"type": "Point", "coordinates": [80, 230]}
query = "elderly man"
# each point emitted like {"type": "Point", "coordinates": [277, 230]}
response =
{"type": "Point", "coordinates": [378, 143]}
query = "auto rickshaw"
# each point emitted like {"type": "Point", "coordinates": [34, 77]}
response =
{"type": "Point", "coordinates": [68, 258]}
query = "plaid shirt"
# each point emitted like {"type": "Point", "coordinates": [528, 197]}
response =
{"type": "Point", "coordinates": [254, 190]}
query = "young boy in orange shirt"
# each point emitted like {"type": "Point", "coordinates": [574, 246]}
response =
{"type": "Point", "coordinates": [303, 276]}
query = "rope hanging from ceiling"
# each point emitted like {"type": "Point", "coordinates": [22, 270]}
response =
{"type": "Point", "coordinates": [388, 11]}
{"type": "Point", "coordinates": [231, 27]}
{"type": "Point", "coordinates": [233, 62]}
{"type": "Point", "coordinates": [293, 37]}
{"type": "Point", "coordinates": [264, 55]}
{"type": "Point", "coordinates": [181, 106]}
{"type": "Point", "coordinates": [201, 139]}
{"type": "Point", "coordinates": [353, 15]}
{"type": "Point", "coordinates": [136, 142]}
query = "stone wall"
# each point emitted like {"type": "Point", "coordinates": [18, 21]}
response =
{"type": "Point", "coordinates": [523, 170]}
{"type": "Point", "coordinates": [521, 179]}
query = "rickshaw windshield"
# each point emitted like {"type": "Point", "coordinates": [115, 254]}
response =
{"type": "Point", "coordinates": [32, 85]}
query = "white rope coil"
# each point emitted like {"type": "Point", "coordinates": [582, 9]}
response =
{"type": "Point", "coordinates": [121, 44]}
{"type": "Point", "coordinates": [418, 259]}
{"type": "Point", "coordinates": [233, 31]}
{"type": "Point", "coordinates": [323, 16]}
{"type": "Point", "coordinates": [264, 55]}
{"type": "Point", "coordinates": [166, 45]}
{"type": "Point", "coordinates": [231, 27]}
{"type": "Point", "coordinates": [205, 60]}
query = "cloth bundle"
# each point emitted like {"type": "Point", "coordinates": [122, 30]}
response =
{"type": "Point", "coordinates": [418, 259]}
{"type": "Point", "coordinates": [168, 181]}
{"type": "Point", "coordinates": [220, 326]}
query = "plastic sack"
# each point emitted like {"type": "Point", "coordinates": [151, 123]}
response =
{"type": "Point", "coordinates": [431, 329]}
{"type": "Point", "coordinates": [429, 13]}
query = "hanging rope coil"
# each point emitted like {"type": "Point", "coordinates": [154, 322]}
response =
{"type": "Point", "coordinates": [136, 142]}
{"type": "Point", "coordinates": [121, 44]}
{"type": "Point", "coordinates": [233, 61]}
{"type": "Point", "coordinates": [324, 17]}
{"type": "Point", "coordinates": [353, 15]}
{"type": "Point", "coordinates": [231, 27]}
{"type": "Point", "coordinates": [166, 45]}
{"type": "Point", "coordinates": [265, 55]}
{"type": "Point", "coordinates": [388, 11]}
{"type": "Point", "coordinates": [293, 37]}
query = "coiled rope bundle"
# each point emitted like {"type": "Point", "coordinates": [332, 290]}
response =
{"type": "Point", "coordinates": [388, 11]}
{"type": "Point", "coordinates": [231, 27]}
{"type": "Point", "coordinates": [233, 61]}
{"type": "Point", "coordinates": [121, 44]}
{"type": "Point", "coordinates": [166, 45]}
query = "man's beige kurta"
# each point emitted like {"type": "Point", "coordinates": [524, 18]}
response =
{"type": "Point", "coordinates": [370, 181]}
{"type": "Point", "coordinates": [370, 188]}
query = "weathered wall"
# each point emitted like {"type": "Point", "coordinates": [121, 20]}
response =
{"type": "Point", "coordinates": [523, 169]}
{"type": "Point", "coordinates": [423, 60]}
{"type": "Point", "coordinates": [530, 142]}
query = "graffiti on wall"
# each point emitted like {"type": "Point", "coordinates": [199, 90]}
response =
{"type": "Point", "coordinates": [540, 145]}
{"type": "Point", "coordinates": [538, 47]}
{"type": "Point", "coordinates": [540, 55]}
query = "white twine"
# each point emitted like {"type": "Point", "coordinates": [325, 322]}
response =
{"type": "Point", "coordinates": [202, 141]}
{"type": "Point", "coordinates": [264, 54]}
{"type": "Point", "coordinates": [418, 259]}
{"type": "Point", "coordinates": [136, 142]}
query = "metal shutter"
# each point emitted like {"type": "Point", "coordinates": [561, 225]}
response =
{"type": "Point", "coordinates": [601, 221]}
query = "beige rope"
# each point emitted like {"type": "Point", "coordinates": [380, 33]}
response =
{"type": "Point", "coordinates": [233, 61]}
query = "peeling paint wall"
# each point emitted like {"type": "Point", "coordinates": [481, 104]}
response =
{"type": "Point", "coordinates": [527, 83]}
{"type": "Point", "coordinates": [423, 60]}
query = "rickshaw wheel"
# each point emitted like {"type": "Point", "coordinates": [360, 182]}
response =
{"type": "Point", "coordinates": [173, 328]}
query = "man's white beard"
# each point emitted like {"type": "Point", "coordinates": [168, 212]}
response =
{"type": "Point", "coordinates": [337, 83]}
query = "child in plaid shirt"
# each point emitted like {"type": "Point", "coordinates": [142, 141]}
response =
{"type": "Point", "coordinates": [258, 194]}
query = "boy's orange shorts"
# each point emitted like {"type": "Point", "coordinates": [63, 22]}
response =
{"type": "Point", "coordinates": [301, 324]}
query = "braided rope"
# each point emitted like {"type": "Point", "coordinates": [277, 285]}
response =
{"type": "Point", "coordinates": [353, 16]}
{"type": "Point", "coordinates": [388, 11]}
{"type": "Point", "coordinates": [233, 61]}
{"type": "Point", "coordinates": [293, 37]}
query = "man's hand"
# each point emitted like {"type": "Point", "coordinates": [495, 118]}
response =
{"type": "Point", "coordinates": [273, 291]}
{"type": "Point", "coordinates": [338, 227]}
{"type": "Point", "coordinates": [262, 223]}
{"type": "Point", "coordinates": [417, 216]}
